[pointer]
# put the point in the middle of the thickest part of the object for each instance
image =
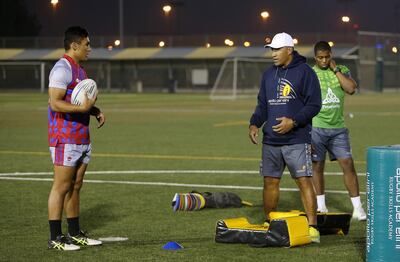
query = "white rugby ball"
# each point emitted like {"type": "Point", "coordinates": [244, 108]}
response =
{"type": "Point", "coordinates": [85, 87]}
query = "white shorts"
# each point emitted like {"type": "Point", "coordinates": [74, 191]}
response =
{"type": "Point", "coordinates": [70, 154]}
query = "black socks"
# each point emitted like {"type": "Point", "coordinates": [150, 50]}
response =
{"type": "Point", "coordinates": [55, 229]}
{"type": "Point", "coordinates": [73, 226]}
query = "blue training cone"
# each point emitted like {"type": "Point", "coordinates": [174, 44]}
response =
{"type": "Point", "coordinates": [172, 246]}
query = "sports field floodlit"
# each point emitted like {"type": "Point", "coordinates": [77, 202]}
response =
{"type": "Point", "coordinates": [153, 146]}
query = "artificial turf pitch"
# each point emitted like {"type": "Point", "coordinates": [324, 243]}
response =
{"type": "Point", "coordinates": [191, 142]}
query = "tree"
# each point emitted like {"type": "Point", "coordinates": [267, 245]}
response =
{"type": "Point", "coordinates": [15, 19]}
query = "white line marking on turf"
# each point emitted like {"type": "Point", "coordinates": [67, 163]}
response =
{"type": "Point", "coordinates": [161, 172]}
{"type": "Point", "coordinates": [157, 156]}
{"type": "Point", "coordinates": [168, 184]}
{"type": "Point", "coordinates": [27, 174]}
{"type": "Point", "coordinates": [113, 239]}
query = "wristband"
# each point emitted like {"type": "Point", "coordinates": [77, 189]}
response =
{"type": "Point", "coordinates": [336, 70]}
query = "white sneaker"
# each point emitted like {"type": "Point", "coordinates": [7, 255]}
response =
{"type": "Point", "coordinates": [62, 243]}
{"type": "Point", "coordinates": [82, 240]}
{"type": "Point", "coordinates": [359, 214]}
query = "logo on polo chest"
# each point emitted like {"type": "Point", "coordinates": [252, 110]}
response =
{"type": "Point", "coordinates": [331, 100]}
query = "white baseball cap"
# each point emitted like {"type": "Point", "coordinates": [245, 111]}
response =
{"type": "Point", "coordinates": [281, 40]}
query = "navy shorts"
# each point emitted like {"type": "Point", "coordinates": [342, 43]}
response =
{"type": "Point", "coordinates": [296, 157]}
{"type": "Point", "coordinates": [335, 141]}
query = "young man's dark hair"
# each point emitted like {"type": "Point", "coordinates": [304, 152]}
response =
{"type": "Point", "coordinates": [74, 34]}
{"type": "Point", "coordinates": [322, 46]}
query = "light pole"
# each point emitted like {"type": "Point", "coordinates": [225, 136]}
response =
{"type": "Point", "coordinates": [54, 3]}
{"type": "Point", "coordinates": [177, 5]}
{"type": "Point", "coordinates": [167, 10]}
{"type": "Point", "coordinates": [121, 23]}
{"type": "Point", "coordinates": [264, 17]}
{"type": "Point", "coordinates": [173, 6]}
{"type": "Point", "coordinates": [345, 19]}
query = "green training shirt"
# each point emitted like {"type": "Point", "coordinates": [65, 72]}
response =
{"type": "Point", "coordinates": [331, 114]}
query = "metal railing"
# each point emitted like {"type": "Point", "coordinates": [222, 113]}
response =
{"type": "Point", "coordinates": [176, 40]}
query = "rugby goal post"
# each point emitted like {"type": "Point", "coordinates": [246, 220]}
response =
{"type": "Point", "coordinates": [238, 78]}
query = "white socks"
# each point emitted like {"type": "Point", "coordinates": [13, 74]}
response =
{"type": "Point", "coordinates": [356, 201]}
{"type": "Point", "coordinates": [321, 203]}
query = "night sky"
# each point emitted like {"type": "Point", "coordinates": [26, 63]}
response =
{"type": "Point", "coordinates": [145, 17]}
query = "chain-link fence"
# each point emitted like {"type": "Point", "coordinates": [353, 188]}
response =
{"type": "Point", "coordinates": [374, 62]}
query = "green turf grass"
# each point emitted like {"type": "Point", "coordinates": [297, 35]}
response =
{"type": "Point", "coordinates": [167, 132]}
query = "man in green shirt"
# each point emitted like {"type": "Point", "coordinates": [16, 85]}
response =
{"type": "Point", "coordinates": [329, 133]}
